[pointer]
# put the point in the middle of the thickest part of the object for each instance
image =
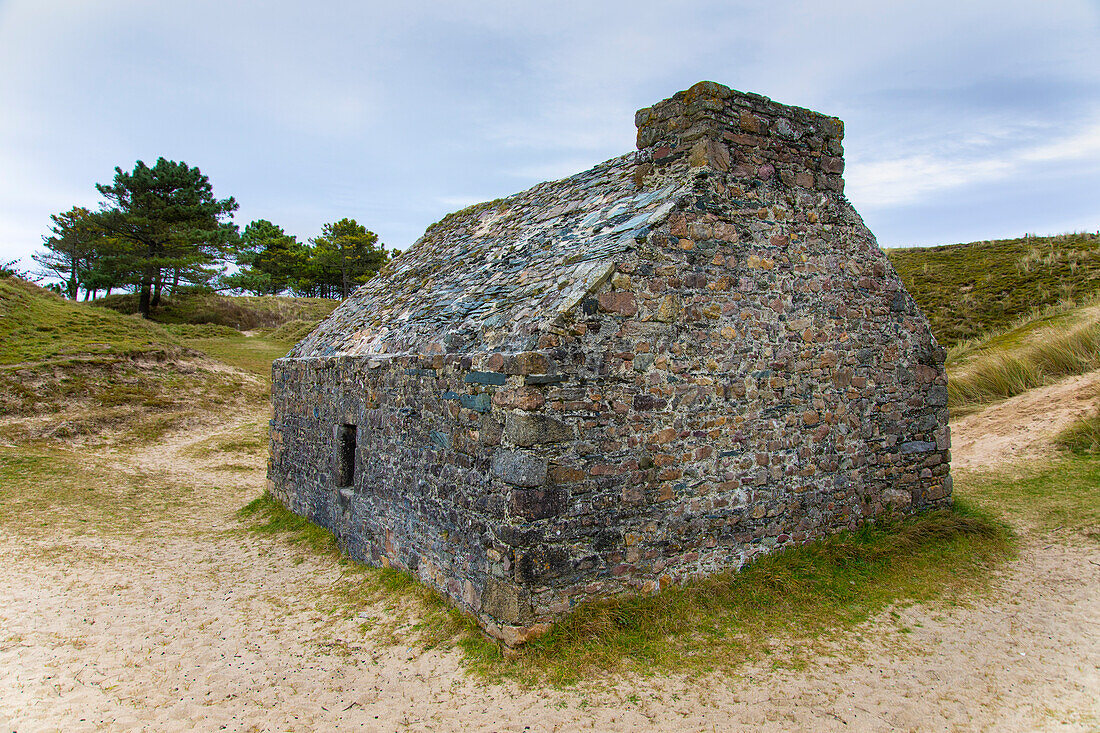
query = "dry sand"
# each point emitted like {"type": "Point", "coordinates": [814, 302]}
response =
{"type": "Point", "coordinates": [1022, 428]}
{"type": "Point", "coordinates": [183, 622]}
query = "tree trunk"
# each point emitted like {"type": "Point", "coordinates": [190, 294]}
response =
{"type": "Point", "coordinates": [344, 278]}
{"type": "Point", "coordinates": [144, 300]}
{"type": "Point", "coordinates": [175, 281]}
{"type": "Point", "coordinates": [74, 286]}
{"type": "Point", "coordinates": [158, 282]}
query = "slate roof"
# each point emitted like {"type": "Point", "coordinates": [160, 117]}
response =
{"type": "Point", "coordinates": [493, 275]}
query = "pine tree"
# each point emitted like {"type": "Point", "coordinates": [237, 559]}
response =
{"type": "Point", "coordinates": [345, 257]}
{"type": "Point", "coordinates": [170, 223]}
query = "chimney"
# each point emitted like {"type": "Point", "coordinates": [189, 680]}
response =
{"type": "Point", "coordinates": [745, 135]}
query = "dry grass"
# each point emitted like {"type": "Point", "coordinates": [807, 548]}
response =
{"type": "Point", "coordinates": [1083, 437]}
{"type": "Point", "coordinates": [48, 492]}
{"type": "Point", "coordinates": [1048, 355]}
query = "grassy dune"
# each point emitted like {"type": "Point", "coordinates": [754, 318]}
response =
{"type": "Point", "coordinates": [68, 370]}
{"type": "Point", "coordinates": [967, 290]}
{"type": "Point", "coordinates": [213, 324]}
{"type": "Point", "coordinates": [242, 313]}
{"type": "Point", "coordinates": [1016, 313]}
{"type": "Point", "coordinates": [36, 325]}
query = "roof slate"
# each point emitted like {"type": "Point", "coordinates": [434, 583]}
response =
{"type": "Point", "coordinates": [495, 274]}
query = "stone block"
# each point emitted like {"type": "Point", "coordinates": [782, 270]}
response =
{"type": "Point", "coordinates": [494, 378]}
{"type": "Point", "coordinates": [538, 503]}
{"type": "Point", "coordinates": [527, 362]}
{"type": "Point", "coordinates": [937, 395]}
{"type": "Point", "coordinates": [525, 398]}
{"type": "Point", "coordinates": [506, 602]}
{"type": "Point", "coordinates": [476, 402]}
{"type": "Point", "coordinates": [519, 468]}
{"type": "Point", "coordinates": [619, 302]}
{"type": "Point", "coordinates": [527, 430]}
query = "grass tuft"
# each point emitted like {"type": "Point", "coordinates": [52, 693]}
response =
{"type": "Point", "coordinates": [1081, 438]}
{"type": "Point", "coordinates": [1052, 354]}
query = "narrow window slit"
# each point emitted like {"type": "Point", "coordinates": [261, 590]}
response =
{"type": "Point", "coordinates": [345, 454]}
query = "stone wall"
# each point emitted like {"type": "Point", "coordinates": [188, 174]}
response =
{"type": "Point", "coordinates": [750, 374]}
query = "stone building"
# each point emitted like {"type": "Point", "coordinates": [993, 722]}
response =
{"type": "Point", "coordinates": [650, 371]}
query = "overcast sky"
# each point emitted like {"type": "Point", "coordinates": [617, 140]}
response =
{"type": "Point", "coordinates": [965, 119]}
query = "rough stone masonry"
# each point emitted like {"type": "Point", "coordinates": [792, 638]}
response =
{"type": "Point", "coordinates": [650, 371]}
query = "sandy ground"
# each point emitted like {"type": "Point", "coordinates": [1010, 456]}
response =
{"type": "Point", "coordinates": [1022, 427]}
{"type": "Point", "coordinates": [183, 622]}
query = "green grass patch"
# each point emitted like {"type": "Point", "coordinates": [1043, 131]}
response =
{"type": "Point", "coordinates": [250, 353]}
{"type": "Point", "coordinates": [292, 331]}
{"type": "Point", "coordinates": [37, 325]}
{"type": "Point", "coordinates": [200, 330]}
{"type": "Point", "coordinates": [795, 597]}
{"type": "Point", "coordinates": [1062, 493]}
{"type": "Point", "coordinates": [1026, 329]}
{"type": "Point", "coordinates": [802, 594]}
{"type": "Point", "coordinates": [966, 290]}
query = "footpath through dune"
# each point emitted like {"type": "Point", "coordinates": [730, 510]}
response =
{"type": "Point", "coordinates": [1023, 427]}
{"type": "Point", "coordinates": [181, 621]}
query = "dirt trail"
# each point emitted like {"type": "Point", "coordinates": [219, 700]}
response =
{"type": "Point", "coordinates": [1023, 427]}
{"type": "Point", "coordinates": [186, 623]}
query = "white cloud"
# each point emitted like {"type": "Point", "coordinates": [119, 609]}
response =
{"type": "Point", "coordinates": [909, 180]}
{"type": "Point", "coordinates": [1081, 146]}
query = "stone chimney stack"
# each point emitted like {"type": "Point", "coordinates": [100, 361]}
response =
{"type": "Point", "coordinates": [746, 135]}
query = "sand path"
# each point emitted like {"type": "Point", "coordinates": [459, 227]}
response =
{"type": "Point", "coordinates": [182, 622]}
{"type": "Point", "coordinates": [1023, 427]}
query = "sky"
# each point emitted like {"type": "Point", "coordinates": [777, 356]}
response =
{"type": "Point", "coordinates": [964, 119]}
